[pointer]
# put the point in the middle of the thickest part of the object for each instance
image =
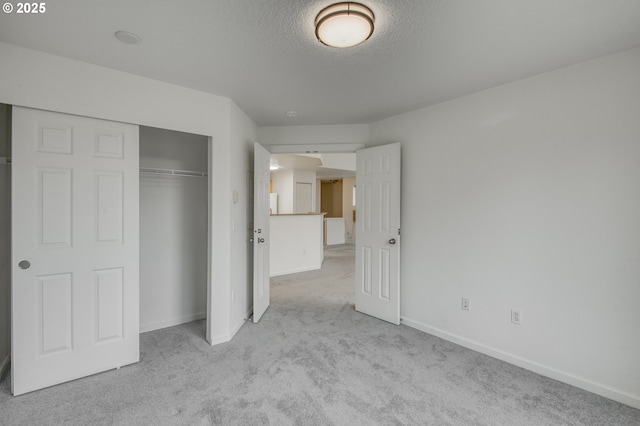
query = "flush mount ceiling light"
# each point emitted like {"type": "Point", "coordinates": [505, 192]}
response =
{"type": "Point", "coordinates": [344, 24]}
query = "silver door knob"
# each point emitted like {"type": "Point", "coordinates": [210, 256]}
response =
{"type": "Point", "coordinates": [250, 240]}
{"type": "Point", "coordinates": [24, 264]}
{"type": "Point", "coordinates": [392, 241]}
{"type": "Point", "coordinates": [261, 240]}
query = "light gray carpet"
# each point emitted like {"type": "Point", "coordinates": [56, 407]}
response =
{"type": "Point", "coordinates": [312, 360]}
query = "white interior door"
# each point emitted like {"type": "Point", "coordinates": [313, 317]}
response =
{"type": "Point", "coordinates": [74, 247]}
{"type": "Point", "coordinates": [378, 241]}
{"type": "Point", "coordinates": [261, 284]}
{"type": "Point", "coordinates": [303, 197]}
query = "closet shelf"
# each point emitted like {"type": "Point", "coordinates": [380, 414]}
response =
{"type": "Point", "coordinates": [171, 172]}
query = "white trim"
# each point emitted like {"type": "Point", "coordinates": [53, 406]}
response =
{"type": "Point", "coordinates": [324, 148]}
{"type": "Point", "coordinates": [171, 322]}
{"type": "Point", "coordinates": [223, 338]}
{"type": "Point", "coordinates": [562, 376]}
{"type": "Point", "coordinates": [237, 328]}
{"type": "Point", "coordinates": [296, 270]}
{"type": "Point", "coordinates": [4, 366]}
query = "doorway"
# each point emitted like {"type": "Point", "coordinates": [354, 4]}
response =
{"type": "Point", "coordinates": [173, 225]}
{"type": "Point", "coordinates": [377, 283]}
{"type": "Point", "coordinates": [331, 179]}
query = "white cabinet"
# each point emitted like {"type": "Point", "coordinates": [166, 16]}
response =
{"type": "Point", "coordinates": [334, 231]}
{"type": "Point", "coordinates": [296, 243]}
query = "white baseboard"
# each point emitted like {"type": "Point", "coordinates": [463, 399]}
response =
{"type": "Point", "coordinates": [4, 366]}
{"type": "Point", "coordinates": [562, 376]}
{"type": "Point", "coordinates": [171, 322]}
{"type": "Point", "coordinates": [237, 328]}
{"type": "Point", "coordinates": [296, 270]}
{"type": "Point", "coordinates": [223, 338]}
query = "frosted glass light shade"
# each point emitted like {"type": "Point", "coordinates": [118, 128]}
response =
{"type": "Point", "coordinates": [344, 24]}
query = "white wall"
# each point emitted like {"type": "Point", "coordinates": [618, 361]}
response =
{"type": "Point", "coordinates": [173, 224]}
{"type": "Point", "coordinates": [40, 80]}
{"type": "Point", "coordinates": [309, 135]}
{"type": "Point", "coordinates": [5, 239]}
{"type": "Point", "coordinates": [526, 196]}
{"type": "Point", "coordinates": [342, 161]}
{"type": "Point", "coordinates": [282, 184]}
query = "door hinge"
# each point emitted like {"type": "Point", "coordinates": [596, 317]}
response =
{"type": "Point", "coordinates": [5, 160]}
{"type": "Point", "coordinates": [398, 231]}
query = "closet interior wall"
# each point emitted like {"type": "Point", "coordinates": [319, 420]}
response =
{"type": "Point", "coordinates": [173, 229]}
{"type": "Point", "coordinates": [5, 238]}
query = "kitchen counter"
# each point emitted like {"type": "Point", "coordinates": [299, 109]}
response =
{"type": "Point", "coordinates": [296, 243]}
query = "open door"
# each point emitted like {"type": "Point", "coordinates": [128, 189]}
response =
{"type": "Point", "coordinates": [261, 178]}
{"type": "Point", "coordinates": [378, 240]}
{"type": "Point", "coordinates": [74, 247]}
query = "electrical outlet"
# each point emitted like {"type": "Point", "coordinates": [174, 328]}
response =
{"type": "Point", "coordinates": [516, 316]}
{"type": "Point", "coordinates": [465, 304]}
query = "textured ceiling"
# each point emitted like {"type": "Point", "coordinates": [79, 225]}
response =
{"type": "Point", "coordinates": [263, 54]}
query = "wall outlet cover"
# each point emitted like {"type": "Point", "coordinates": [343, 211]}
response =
{"type": "Point", "coordinates": [465, 304]}
{"type": "Point", "coordinates": [516, 316]}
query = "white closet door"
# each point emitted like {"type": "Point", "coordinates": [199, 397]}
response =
{"type": "Point", "coordinates": [74, 247]}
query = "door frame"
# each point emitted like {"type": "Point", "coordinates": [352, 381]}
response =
{"type": "Point", "coordinates": [318, 149]}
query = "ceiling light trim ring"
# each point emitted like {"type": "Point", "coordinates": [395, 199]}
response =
{"type": "Point", "coordinates": [128, 37]}
{"type": "Point", "coordinates": [344, 9]}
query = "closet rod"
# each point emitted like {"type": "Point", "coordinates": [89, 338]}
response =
{"type": "Point", "coordinates": [171, 172]}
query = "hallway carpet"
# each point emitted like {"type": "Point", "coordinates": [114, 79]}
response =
{"type": "Point", "coordinates": [312, 360]}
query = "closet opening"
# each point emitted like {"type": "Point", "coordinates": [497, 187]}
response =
{"type": "Point", "coordinates": [174, 189]}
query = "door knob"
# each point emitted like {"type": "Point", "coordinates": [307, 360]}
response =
{"type": "Point", "coordinates": [261, 240]}
{"type": "Point", "coordinates": [392, 241]}
{"type": "Point", "coordinates": [24, 264]}
{"type": "Point", "coordinates": [250, 240]}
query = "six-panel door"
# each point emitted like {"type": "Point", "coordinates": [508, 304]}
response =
{"type": "Point", "coordinates": [261, 220]}
{"type": "Point", "coordinates": [74, 247]}
{"type": "Point", "coordinates": [378, 236]}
